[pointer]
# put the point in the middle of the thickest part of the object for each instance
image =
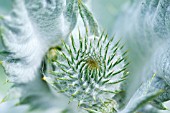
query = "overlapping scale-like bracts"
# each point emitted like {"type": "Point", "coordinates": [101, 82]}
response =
{"type": "Point", "coordinates": [90, 71]}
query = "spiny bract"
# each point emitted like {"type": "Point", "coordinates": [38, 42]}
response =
{"type": "Point", "coordinates": [89, 71]}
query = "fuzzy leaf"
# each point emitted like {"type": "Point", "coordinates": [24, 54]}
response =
{"type": "Point", "coordinates": [26, 34]}
{"type": "Point", "coordinates": [88, 19]}
{"type": "Point", "coordinates": [145, 24]}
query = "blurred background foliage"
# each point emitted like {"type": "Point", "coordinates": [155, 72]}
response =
{"type": "Point", "coordinates": [5, 6]}
{"type": "Point", "coordinates": [106, 11]}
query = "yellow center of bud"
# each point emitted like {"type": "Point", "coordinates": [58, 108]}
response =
{"type": "Point", "coordinates": [92, 64]}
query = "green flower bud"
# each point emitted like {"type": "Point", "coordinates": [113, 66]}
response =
{"type": "Point", "coordinates": [90, 72]}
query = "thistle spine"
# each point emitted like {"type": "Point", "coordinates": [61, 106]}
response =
{"type": "Point", "coordinates": [90, 72]}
